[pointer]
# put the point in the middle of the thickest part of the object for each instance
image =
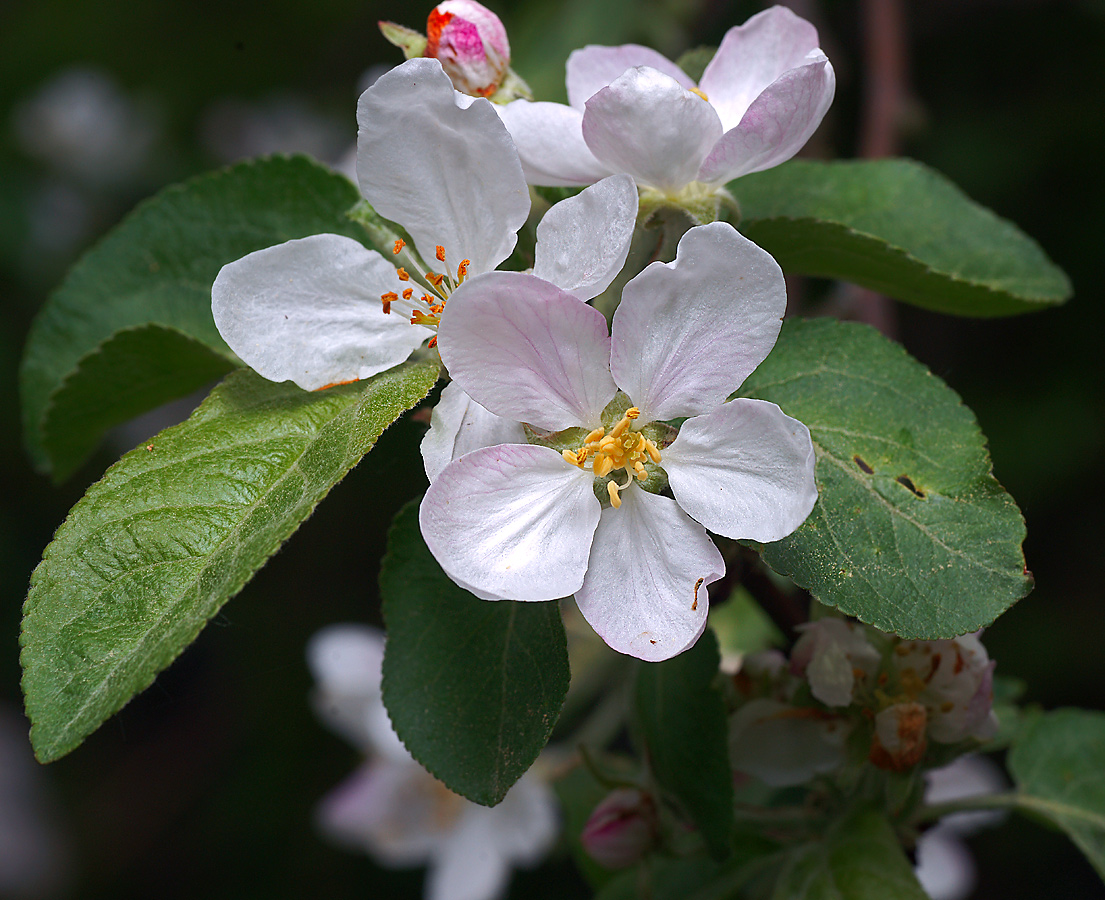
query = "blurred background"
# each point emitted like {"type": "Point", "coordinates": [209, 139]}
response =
{"type": "Point", "coordinates": [205, 784]}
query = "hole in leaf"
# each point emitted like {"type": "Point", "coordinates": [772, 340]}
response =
{"type": "Point", "coordinates": [859, 461]}
{"type": "Point", "coordinates": [904, 481]}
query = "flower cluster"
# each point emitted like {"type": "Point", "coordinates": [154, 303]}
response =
{"type": "Point", "coordinates": [566, 456]}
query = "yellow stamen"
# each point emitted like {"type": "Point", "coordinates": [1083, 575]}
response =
{"type": "Point", "coordinates": [632, 412]}
{"type": "Point", "coordinates": [612, 490]}
{"type": "Point", "coordinates": [570, 457]}
{"type": "Point", "coordinates": [701, 93]}
{"type": "Point", "coordinates": [408, 293]}
{"type": "Point", "coordinates": [440, 253]}
{"type": "Point", "coordinates": [604, 465]}
{"type": "Point", "coordinates": [387, 299]}
{"type": "Point", "coordinates": [433, 341]}
{"type": "Point", "coordinates": [434, 278]}
{"type": "Point", "coordinates": [462, 270]}
{"type": "Point", "coordinates": [402, 273]}
{"type": "Point", "coordinates": [594, 435]}
{"type": "Point", "coordinates": [399, 245]}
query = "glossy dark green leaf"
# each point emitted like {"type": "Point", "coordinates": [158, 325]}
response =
{"type": "Point", "coordinates": [1058, 764]}
{"type": "Point", "coordinates": [683, 722]}
{"type": "Point", "coordinates": [901, 229]}
{"type": "Point", "coordinates": [156, 268]}
{"type": "Point", "coordinates": [473, 687]}
{"type": "Point", "coordinates": [911, 532]}
{"type": "Point", "coordinates": [177, 527]}
{"type": "Point", "coordinates": [858, 858]}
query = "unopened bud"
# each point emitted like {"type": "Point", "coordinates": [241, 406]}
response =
{"type": "Point", "coordinates": [470, 42]}
{"type": "Point", "coordinates": [622, 829]}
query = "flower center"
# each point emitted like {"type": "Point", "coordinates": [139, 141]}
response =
{"type": "Point", "coordinates": [623, 448]}
{"type": "Point", "coordinates": [425, 310]}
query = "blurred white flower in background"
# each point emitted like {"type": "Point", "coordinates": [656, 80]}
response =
{"type": "Point", "coordinates": [394, 809]}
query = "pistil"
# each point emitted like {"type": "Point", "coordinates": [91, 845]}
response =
{"type": "Point", "coordinates": [623, 448]}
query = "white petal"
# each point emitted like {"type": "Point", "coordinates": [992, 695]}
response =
{"type": "Point", "coordinates": [525, 823]}
{"type": "Point", "coordinates": [687, 333]}
{"type": "Point", "coordinates": [647, 124]}
{"type": "Point", "coordinates": [515, 521]}
{"type": "Point", "coordinates": [467, 865]}
{"type": "Point", "coordinates": [593, 67]}
{"type": "Point", "coordinates": [450, 176]}
{"type": "Point", "coordinates": [744, 471]}
{"type": "Point", "coordinates": [309, 311]}
{"type": "Point", "coordinates": [945, 866]}
{"type": "Point", "coordinates": [751, 56]}
{"type": "Point", "coordinates": [777, 125]}
{"type": "Point", "coordinates": [525, 350]}
{"type": "Point", "coordinates": [549, 140]}
{"type": "Point", "coordinates": [459, 425]}
{"type": "Point", "coordinates": [583, 241]}
{"type": "Point", "coordinates": [781, 746]}
{"type": "Point", "coordinates": [649, 565]}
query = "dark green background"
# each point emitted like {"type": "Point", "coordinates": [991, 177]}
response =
{"type": "Point", "coordinates": [204, 785]}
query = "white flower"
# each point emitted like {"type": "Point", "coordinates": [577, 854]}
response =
{"type": "Point", "coordinates": [832, 652]}
{"type": "Point", "coordinates": [440, 164]}
{"type": "Point", "coordinates": [785, 745]}
{"type": "Point", "coordinates": [632, 110]}
{"type": "Point", "coordinates": [399, 813]}
{"type": "Point", "coordinates": [523, 521]}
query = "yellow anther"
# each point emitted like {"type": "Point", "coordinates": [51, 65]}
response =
{"type": "Point", "coordinates": [569, 456]}
{"type": "Point", "coordinates": [408, 293]}
{"type": "Point", "coordinates": [402, 273]}
{"type": "Point", "coordinates": [462, 270]}
{"type": "Point", "coordinates": [612, 490]}
{"type": "Point", "coordinates": [437, 308]}
{"type": "Point", "coordinates": [434, 278]}
{"type": "Point", "coordinates": [433, 342]}
{"type": "Point", "coordinates": [399, 245]}
{"type": "Point", "coordinates": [594, 435]}
{"type": "Point", "coordinates": [619, 429]}
{"type": "Point", "coordinates": [440, 253]}
{"type": "Point", "coordinates": [604, 465]}
{"type": "Point", "coordinates": [701, 93]}
{"type": "Point", "coordinates": [632, 412]}
{"type": "Point", "coordinates": [653, 453]}
{"type": "Point", "coordinates": [387, 299]}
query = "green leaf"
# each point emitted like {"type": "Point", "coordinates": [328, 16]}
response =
{"type": "Point", "coordinates": [473, 687]}
{"type": "Point", "coordinates": [858, 858]}
{"type": "Point", "coordinates": [177, 527]}
{"type": "Point", "coordinates": [911, 532]}
{"type": "Point", "coordinates": [682, 719]}
{"type": "Point", "coordinates": [156, 268]}
{"type": "Point", "coordinates": [1058, 763]}
{"type": "Point", "coordinates": [901, 229]}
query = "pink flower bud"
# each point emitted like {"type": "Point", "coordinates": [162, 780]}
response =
{"type": "Point", "coordinates": [622, 829]}
{"type": "Point", "coordinates": [470, 42]}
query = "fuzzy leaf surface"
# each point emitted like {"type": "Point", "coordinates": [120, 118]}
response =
{"type": "Point", "coordinates": [473, 687]}
{"type": "Point", "coordinates": [1057, 764]}
{"type": "Point", "coordinates": [156, 268]}
{"type": "Point", "coordinates": [911, 532]}
{"type": "Point", "coordinates": [177, 527]}
{"type": "Point", "coordinates": [683, 721]}
{"type": "Point", "coordinates": [899, 228]}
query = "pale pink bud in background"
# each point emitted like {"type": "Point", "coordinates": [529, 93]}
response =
{"type": "Point", "coordinates": [470, 42]}
{"type": "Point", "coordinates": [622, 829]}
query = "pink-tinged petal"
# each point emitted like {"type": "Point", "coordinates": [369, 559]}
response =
{"type": "Point", "coordinates": [583, 241]}
{"type": "Point", "coordinates": [515, 521]}
{"type": "Point", "coordinates": [593, 67]}
{"type": "Point", "coordinates": [751, 56]}
{"type": "Point", "coordinates": [450, 176]}
{"type": "Point", "coordinates": [744, 471]}
{"type": "Point", "coordinates": [309, 311]}
{"type": "Point", "coordinates": [460, 425]}
{"type": "Point", "coordinates": [471, 44]}
{"type": "Point", "coordinates": [647, 124]}
{"type": "Point", "coordinates": [776, 125]}
{"type": "Point", "coordinates": [688, 332]}
{"type": "Point", "coordinates": [549, 140]}
{"type": "Point", "coordinates": [645, 590]}
{"type": "Point", "coordinates": [784, 745]}
{"type": "Point", "coordinates": [526, 350]}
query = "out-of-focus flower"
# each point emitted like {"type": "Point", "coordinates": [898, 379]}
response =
{"type": "Point", "coordinates": [233, 129]}
{"type": "Point", "coordinates": [82, 124]}
{"type": "Point", "coordinates": [632, 110]}
{"type": "Point", "coordinates": [471, 44]}
{"type": "Point", "coordinates": [784, 745]}
{"type": "Point", "coordinates": [324, 309]}
{"type": "Point", "coordinates": [621, 829]}
{"type": "Point", "coordinates": [526, 521]}
{"type": "Point", "coordinates": [899, 741]}
{"type": "Point", "coordinates": [833, 654]}
{"type": "Point", "coordinates": [954, 680]}
{"type": "Point", "coordinates": [945, 867]}
{"type": "Point", "coordinates": [394, 809]}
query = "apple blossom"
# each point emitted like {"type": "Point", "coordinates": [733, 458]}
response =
{"type": "Point", "coordinates": [834, 654]}
{"type": "Point", "coordinates": [632, 110]}
{"type": "Point", "coordinates": [397, 811]}
{"type": "Point", "coordinates": [525, 521]}
{"type": "Point", "coordinates": [317, 311]}
{"type": "Point", "coordinates": [621, 829]}
{"type": "Point", "coordinates": [786, 745]}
